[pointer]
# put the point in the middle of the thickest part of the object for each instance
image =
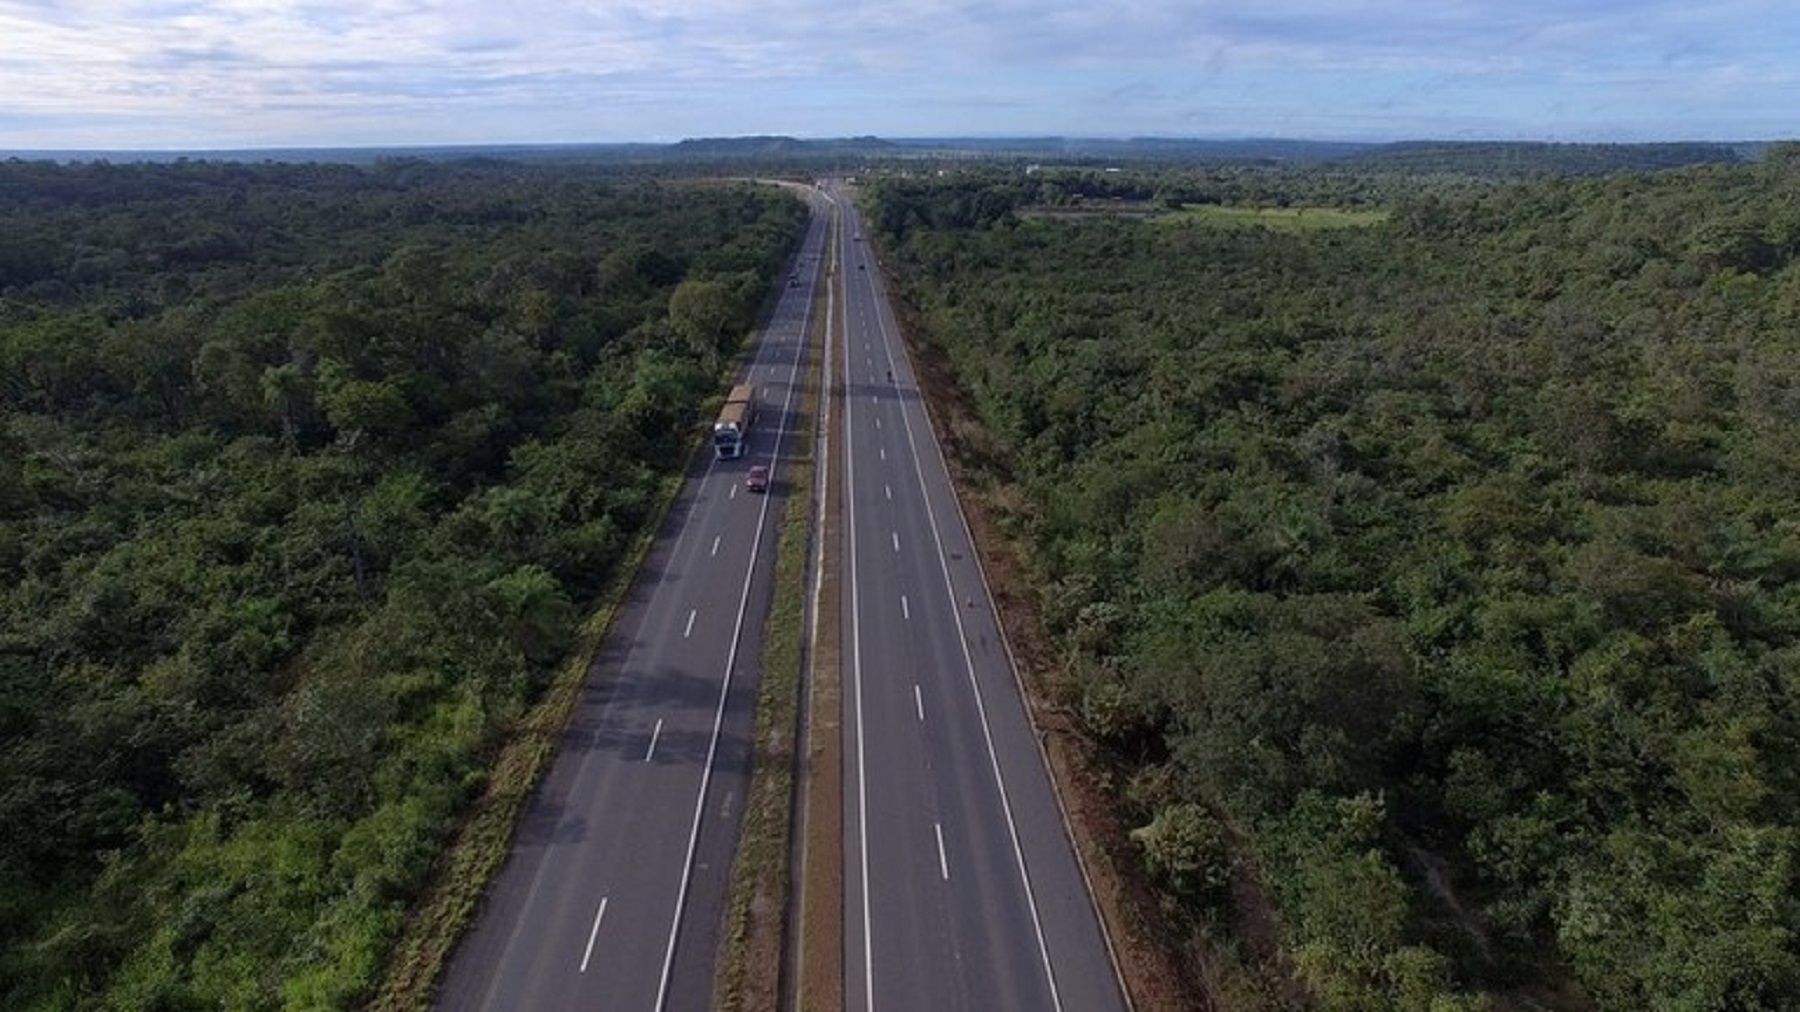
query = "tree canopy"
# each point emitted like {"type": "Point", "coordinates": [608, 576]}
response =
{"type": "Point", "coordinates": [308, 472]}
{"type": "Point", "coordinates": [1437, 574]}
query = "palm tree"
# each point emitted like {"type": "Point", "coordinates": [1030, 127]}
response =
{"type": "Point", "coordinates": [284, 389]}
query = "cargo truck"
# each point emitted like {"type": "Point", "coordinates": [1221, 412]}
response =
{"type": "Point", "coordinates": [735, 419]}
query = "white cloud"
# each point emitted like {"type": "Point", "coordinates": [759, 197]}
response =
{"type": "Point", "coordinates": [198, 73]}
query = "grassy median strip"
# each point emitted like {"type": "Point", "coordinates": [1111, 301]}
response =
{"type": "Point", "coordinates": [756, 908]}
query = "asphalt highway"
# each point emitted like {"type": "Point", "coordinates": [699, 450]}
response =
{"type": "Point", "coordinates": [612, 897]}
{"type": "Point", "coordinates": [961, 886]}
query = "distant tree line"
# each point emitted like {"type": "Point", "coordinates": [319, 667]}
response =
{"type": "Point", "coordinates": [1437, 582]}
{"type": "Point", "coordinates": [306, 474]}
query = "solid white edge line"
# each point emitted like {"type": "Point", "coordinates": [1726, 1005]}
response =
{"type": "Point", "coordinates": [862, 784]}
{"type": "Point", "coordinates": [987, 732]}
{"type": "Point", "coordinates": [712, 746]}
{"type": "Point", "coordinates": [821, 483]}
{"type": "Point", "coordinates": [593, 933]}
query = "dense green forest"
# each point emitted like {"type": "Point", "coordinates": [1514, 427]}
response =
{"type": "Point", "coordinates": [1433, 582]}
{"type": "Point", "coordinates": [306, 474]}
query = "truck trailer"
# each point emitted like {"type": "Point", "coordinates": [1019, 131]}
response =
{"type": "Point", "coordinates": [735, 419]}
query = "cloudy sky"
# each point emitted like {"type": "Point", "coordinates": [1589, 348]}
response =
{"type": "Point", "coordinates": [188, 74]}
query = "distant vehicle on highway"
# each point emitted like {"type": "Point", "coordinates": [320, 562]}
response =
{"type": "Point", "coordinates": [757, 478]}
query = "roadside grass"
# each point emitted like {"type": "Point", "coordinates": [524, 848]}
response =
{"type": "Point", "coordinates": [483, 841]}
{"type": "Point", "coordinates": [1286, 219]}
{"type": "Point", "coordinates": [748, 977]}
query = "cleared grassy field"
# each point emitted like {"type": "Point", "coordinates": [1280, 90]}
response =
{"type": "Point", "coordinates": [1293, 219]}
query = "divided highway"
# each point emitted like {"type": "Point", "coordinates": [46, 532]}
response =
{"type": "Point", "coordinates": [961, 886]}
{"type": "Point", "coordinates": [612, 897]}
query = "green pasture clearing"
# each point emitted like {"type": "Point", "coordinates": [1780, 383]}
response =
{"type": "Point", "coordinates": [1288, 218]}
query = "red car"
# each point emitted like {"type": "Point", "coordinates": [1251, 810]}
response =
{"type": "Point", "coordinates": [757, 478]}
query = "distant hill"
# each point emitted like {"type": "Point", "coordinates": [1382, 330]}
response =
{"type": "Point", "coordinates": [778, 146]}
{"type": "Point", "coordinates": [1530, 158]}
{"type": "Point", "coordinates": [1243, 150]}
{"type": "Point", "coordinates": [1504, 159]}
{"type": "Point", "coordinates": [357, 155]}
{"type": "Point", "coordinates": [1488, 159]}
